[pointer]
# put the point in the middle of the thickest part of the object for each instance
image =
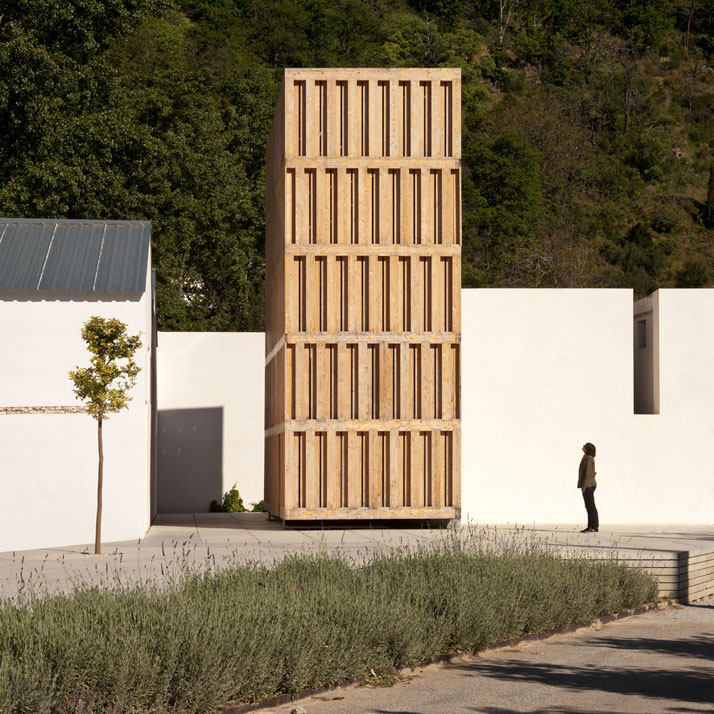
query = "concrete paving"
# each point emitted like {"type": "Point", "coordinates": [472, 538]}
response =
{"type": "Point", "coordinates": [662, 661]}
{"type": "Point", "coordinates": [214, 540]}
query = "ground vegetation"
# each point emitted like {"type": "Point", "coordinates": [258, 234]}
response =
{"type": "Point", "coordinates": [203, 640]}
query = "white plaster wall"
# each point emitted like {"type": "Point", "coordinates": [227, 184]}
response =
{"type": "Point", "coordinates": [674, 463]}
{"type": "Point", "coordinates": [546, 370]}
{"type": "Point", "coordinates": [543, 371]}
{"type": "Point", "coordinates": [49, 480]}
{"type": "Point", "coordinates": [220, 369]}
{"type": "Point", "coordinates": [48, 471]}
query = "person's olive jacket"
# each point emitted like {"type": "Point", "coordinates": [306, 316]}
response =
{"type": "Point", "coordinates": [586, 472]}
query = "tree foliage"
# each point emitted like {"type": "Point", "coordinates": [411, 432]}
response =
{"type": "Point", "coordinates": [580, 121]}
{"type": "Point", "coordinates": [104, 386]}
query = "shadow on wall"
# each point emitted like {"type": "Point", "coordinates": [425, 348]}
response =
{"type": "Point", "coordinates": [189, 463]}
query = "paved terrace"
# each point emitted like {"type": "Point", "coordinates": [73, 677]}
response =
{"type": "Point", "coordinates": [682, 557]}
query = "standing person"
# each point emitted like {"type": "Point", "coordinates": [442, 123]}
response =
{"type": "Point", "coordinates": [586, 482]}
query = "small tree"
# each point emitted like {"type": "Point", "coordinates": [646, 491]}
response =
{"type": "Point", "coordinates": [105, 384]}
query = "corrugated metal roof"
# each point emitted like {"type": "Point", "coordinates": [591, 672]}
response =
{"type": "Point", "coordinates": [73, 256]}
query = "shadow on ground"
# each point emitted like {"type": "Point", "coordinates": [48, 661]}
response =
{"type": "Point", "coordinates": [692, 685]}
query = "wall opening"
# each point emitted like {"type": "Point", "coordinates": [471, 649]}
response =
{"type": "Point", "coordinates": [645, 348]}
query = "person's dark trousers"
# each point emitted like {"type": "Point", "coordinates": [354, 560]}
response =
{"type": "Point", "coordinates": [589, 498]}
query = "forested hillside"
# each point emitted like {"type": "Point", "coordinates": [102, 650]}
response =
{"type": "Point", "coordinates": [587, 142]}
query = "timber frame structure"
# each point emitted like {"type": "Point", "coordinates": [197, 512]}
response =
{"type": "Point", "coordinates": [363, 285]}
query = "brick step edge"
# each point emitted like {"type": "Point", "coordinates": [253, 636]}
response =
{"type": "Point", "coordinates": [280, 699]}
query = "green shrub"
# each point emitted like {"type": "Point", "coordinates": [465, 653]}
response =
{"type": "Point", "coordinates": [258, 507]}
{"type": "Point", "coordinates": [241, 634]}
{"type": "Point", "coordinates": [232, 501]}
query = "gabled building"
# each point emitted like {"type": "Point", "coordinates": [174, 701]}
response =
{"type": "Point", "coordinates": [55, 275]}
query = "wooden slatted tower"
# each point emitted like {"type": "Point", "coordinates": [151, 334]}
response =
{"type": "Point", "coordinates": [363, 285]}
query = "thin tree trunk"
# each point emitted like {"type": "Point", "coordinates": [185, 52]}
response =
{"type": "Point", "coordinates": [100, 475]}
{"type": "Point", "coordinates": [692, 8]}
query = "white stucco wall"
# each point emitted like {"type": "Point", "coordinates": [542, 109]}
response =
{"type": "Point", "coordinates": [48, 472]}
{"type": "Point", "coordinates": [673, 458]}
{"type": "Point", "coordinates": [546, 370]}
{"type": "Point", "coordinates": [204, 371]}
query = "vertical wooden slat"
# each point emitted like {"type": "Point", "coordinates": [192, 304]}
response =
{"type": "Point", "coordinates": [385, 381]}
{"type": "Point", "coordinates": [344, 207]}
{"type": "Point", "coordinates": [417, 470]}
{"type": "Point", "coordinates": [438, 380]}
{"type": "Point", "coordinates": [312, 294]}
{"type": "Point", "coordinates": [416, 191]}
{"type": "Point", "coordinates": [311, 119]}
{"type": "Point", "coordinates": [354, 381]}
{"type": "Point", "coordinates": [456, 182]}
{"type": "Point", "coordinates": [427, 460]}
{"type": "Point", "coordinates": [301, 207]}
{"type": "Point", "coordinates": [365, 381]}
{"type": "Point", "coordinates": [417, 295]}
{"type": "Point", "coordinates": [375, 124]}
{"type": "Point", "coordinates": [309, 386]}
{"type": "Point", "coordinates": [405, 226]}
{"type": "Point", "coordinates": [426, 229]}
{"type": "Point", "coordinates": [437, 295]}
{"type": "Point", "coordinates": [456, 379]}
{"type": "Point", "coordinates": [364, 117]}
{"type": "Point", "coordinates": [375, 470]}
{"type": "Point", "coordinates": [286, 475]}
{"type": "Point", "coordinates": [394, 117]}
{"type": "Point", "coordinates": [437, 469]}
{"type": "Point", "coordinates": [300, 380]}
{"type": "Point", "coordinates": [404, 382]}
{"type": "Point", "coordinates": [395, 494]}
{"type": "Point", "coordinates": [364, 191]}
{"type": "Point", "coordinates": [375, 294]}
{"type": "Point", "coordinates": [334, 302]}
{"type": "Point", "coordinates": [447, 208]}
{"type": "Point", "coordinates": [427, 381]}
{"type": "Point", "coordinates": [417, 119]}
{"type": "Point", "coordinates": [353, 117]}
{"type": "Point", "coordinates": [395, 364]}
{"type": "Point", "coordinates": [395, 309]}
{"type": "Point", "coordinates": [364, 440]}
{"type": "Point", "coordinates": [288, 407]}
{"type": "Point", "coordinates": [354, 467]}
{"type": "Point", "coordinates": [447, 394]}
{"type": "Point", "coordinates": [323, 381]}
{"type": "Point", "coordinates": [343, 456]}
{"type": "Point", "coordinates": [321, 202]}
{"type": "Point", "coordinates": [332, 475]}
{"type": "Point", "coordinates": [427, 281]}
{"type": "Point", "coordinates": [312, 470]}
{"type": "Point", "coordinates": [385, 207]}
{"type": "Point", "coordinates": [456, 468]}
{"type": "Point", "coordinates": [405, 467]}
{"type": "Point", "coordinates": [456, 293]}
{"type": "Point", "coordinates": [343, 381]}
{"type": "Point", "coordinates": [395, 206]}
{"type": "Point", "coordinates": [334, 123]}
{"type": "Point", "coordinates": [427, 117]}
{"type": "Point", "coordinates": [354, 297]}
{"type": "Point", "coordinates": [456, 117]}
{"type": "Point", "coordinates": [437, 119]}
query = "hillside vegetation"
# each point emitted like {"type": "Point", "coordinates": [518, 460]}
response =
{"type": "Point", "coordinates": [587, 138]}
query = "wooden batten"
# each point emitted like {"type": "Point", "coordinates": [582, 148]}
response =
{"type": "Point", "coordinates": [363, 296]}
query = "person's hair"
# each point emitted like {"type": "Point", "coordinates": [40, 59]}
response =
{"type": "Point", "coordinates": [589, 449]}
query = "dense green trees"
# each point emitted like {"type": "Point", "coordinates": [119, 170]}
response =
{"type": "Point", "coordinates": [587, 137]}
